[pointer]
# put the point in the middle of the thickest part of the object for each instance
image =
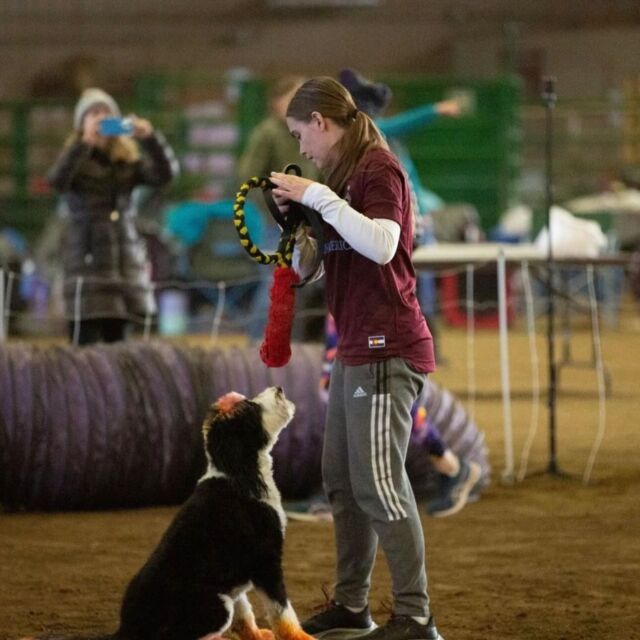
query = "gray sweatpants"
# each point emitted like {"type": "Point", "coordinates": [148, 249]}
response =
{"type": "Point", "coordinates": [365, 445]}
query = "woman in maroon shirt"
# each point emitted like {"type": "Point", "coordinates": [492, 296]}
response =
{"type": "Point", "coordinates": [384, 354]}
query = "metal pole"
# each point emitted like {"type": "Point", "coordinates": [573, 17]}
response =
{"type": "Point", "coordinates": [507, 473]}
{"type": "Point", "coordinates": [3, 335]}
{"type": "Point", "coordinates": [549, 98]}
{"type": "Point", "coordinates": [471, 362]}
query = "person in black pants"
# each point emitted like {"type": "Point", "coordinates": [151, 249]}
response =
{"type": "Point", "coordinates": [107, 282]}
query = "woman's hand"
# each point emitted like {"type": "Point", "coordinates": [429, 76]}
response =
{"type": "Point", "coordinates": [281, 203]}
{"type": "Point", "coordinates": [288, 187]}
{"type": "Point", "coordinates": [450, 108]}
{"type": "Point", "coordinates": [141, 128]}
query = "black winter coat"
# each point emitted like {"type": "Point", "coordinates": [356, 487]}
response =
{"type": "Point", "coordinates": [101, 243]}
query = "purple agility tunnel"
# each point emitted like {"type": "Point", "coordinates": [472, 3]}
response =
{"type": "Point", "coordinates": [117, 426]}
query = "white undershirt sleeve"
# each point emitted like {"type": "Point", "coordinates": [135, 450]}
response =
{"type": "Point", "coordinates": [376, 239]}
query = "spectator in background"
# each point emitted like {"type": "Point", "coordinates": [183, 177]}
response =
{"type": "Point", "coordinates": [270, 148]}
{"type": "Point", "coordinates": [456, 477]}
{"type": "Point", "coordinates": [96, 174]}
{"type": "Point", "coordinates": [373, 98]}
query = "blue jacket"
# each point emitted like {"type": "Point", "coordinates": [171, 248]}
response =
{"type": "Point", "coordinates": [402, 124]}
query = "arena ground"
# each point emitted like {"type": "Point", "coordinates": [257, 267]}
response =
{"type": "Point", "coordinates": [545, 558]}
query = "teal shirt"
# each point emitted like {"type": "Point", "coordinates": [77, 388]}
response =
{"type": "Point", "coordinates": [403, 124]}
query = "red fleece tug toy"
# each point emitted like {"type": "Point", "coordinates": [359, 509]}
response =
{"type": "Point", "coordinates": [275, 350]}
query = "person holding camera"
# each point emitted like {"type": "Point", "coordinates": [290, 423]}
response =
{"type": "Point", "coordinates": [107, 283]}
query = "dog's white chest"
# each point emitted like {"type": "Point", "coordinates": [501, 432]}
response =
{"type": "Point", "coordinates": [272, 498]}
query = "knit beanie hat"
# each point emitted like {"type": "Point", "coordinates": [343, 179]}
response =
{"type": "Point", "coordinates": [370, 97]}
{"type": "Point", "coordinates": [90, 98]}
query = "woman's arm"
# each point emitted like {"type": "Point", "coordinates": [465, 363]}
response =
{"type": "Point", "coordinates": [160, 165]}
{"type": "Point", "coordinates": [376, 239]}
{"type": "Point", "coordinates": [408, 121]}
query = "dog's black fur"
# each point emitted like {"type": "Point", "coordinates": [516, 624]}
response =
{"type": "Point", "coordinates": [226, 538]}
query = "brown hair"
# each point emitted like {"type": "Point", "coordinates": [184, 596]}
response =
{"type": "Point", "coordinates": [284, 85]}
{"type": "Point", "coordinates": [329, 98]}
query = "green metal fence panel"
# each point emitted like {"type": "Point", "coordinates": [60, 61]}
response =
{"type": "Point", "coordinates": [207, 119]}
{"type": "Point", "coordinates": [31, 136]}
{"type": "Point", "coordinates": [474, 158]}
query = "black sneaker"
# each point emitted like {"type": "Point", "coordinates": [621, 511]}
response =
{"type": "Point", "coordinates": [406, 628]}
{"type": "Point", "coordinates": [454, 492]}
{"type": "Point", "coordinates": [338, 622]}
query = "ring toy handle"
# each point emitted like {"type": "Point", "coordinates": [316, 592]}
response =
{"type": "Point", "coordinates": [284, 253]}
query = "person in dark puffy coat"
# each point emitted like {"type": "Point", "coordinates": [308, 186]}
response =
{"type": "Point", "coordinates": [107, 283]}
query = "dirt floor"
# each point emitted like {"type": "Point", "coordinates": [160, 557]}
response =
{"type": "Point", "coordinates": [545, 558]}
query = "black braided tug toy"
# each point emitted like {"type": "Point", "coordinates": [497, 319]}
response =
{"type": "Point", "coordinates": [275, 350]}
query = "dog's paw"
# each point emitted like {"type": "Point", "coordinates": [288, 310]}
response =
{"type": "Point", "coordinates": [246, 632]}
{"type": "Point", "coordinates": [301, 635]}
{"type": "Point", "coordinates": [291, 632]}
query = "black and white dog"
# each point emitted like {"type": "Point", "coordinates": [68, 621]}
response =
{"type": "Point", "coordinates": [227, 538]}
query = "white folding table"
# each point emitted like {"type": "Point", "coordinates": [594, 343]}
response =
{"type": "Point", "coordinates": [443, 256]}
